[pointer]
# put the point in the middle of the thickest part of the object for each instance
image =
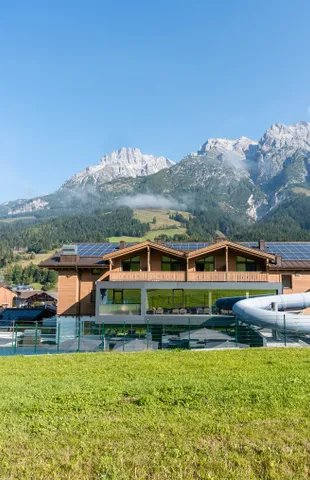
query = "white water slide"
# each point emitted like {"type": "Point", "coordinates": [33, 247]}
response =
{"type": "Point", "coordinates": [275, 311]}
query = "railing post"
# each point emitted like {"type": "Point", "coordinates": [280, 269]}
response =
{"type": "Point", "coordinates": [189, 333]}
{"type": "Point", "coordinates": [237, 331]}
{"type": "Point", "coordinates": [284, 322]}
{"type": "Point", "coordinates": [36, 339]}
{"type": "Point", "coordinates": [79, 334]}
{"type": "Point", "coordinates": [102, 337]}
{"type": "Point", "coordinates": [58, 335]}
{"type": "Point", "coordinates": [15, 343]}
{"type": "Point", "coordinates": [13, 331]}
{"type": "Point", "coordinates": [124, 326]}
{"type": "Point", "coordinates": [147, 334]}
{"type": "Point", "coordinates": [210, 302]}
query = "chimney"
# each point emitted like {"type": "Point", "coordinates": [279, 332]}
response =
{"type": "Point", "coordinates": [161, 241]}
{"type": "Point", "coordinates": [220, 237]}
{"type": "Point", "coordinates": [261, 244]}
{"type": "Point", "coordinates": [278, 260]}
{"type": "Point", "coordinates": [69, 254]}
{"type": "Point", "coordinates": [122, 244]}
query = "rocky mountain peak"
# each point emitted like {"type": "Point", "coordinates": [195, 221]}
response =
{"type": "Point", "coordinates": [125, 162]}
{"type": "Point", "coordinates": [224, 146]}
{"type": "Point", "coordinates": [291, 136]}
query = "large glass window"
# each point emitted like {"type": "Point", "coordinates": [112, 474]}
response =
{"type": "Point", "coordinates": [245, 265]}
{"type": "Point", "coordinates": [131, 264]}
{"type": "Point", "coordinates": [116, 301]}
{"type": "Point", "coordinates": [169, 264]}
{"type": "Point", "coordinates": [190, 301]}
{"type": "Point", "coordinates": [205, 264]}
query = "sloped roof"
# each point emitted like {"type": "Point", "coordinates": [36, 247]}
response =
{"type": "Point", "coordinates": [140, 246]}
{"type": "Point", "coordinates": [236, 246]}
{"type": "Point", "coordinates": [35, 293]}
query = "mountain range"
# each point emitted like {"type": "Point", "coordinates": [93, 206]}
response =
{"type": "Point", "coordinates": [244, 177]}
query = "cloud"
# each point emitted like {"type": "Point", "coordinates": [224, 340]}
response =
{"type": "Point", "coordinates": [151, 201]}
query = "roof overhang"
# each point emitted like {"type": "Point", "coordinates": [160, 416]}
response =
{"type": "Point", "coordinates": [141, 246]}
{"type": "Point", "coordinates": [234, 246]}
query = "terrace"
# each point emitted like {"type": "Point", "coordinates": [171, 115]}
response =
{"type": "Point", "coordinates": [121, 302]}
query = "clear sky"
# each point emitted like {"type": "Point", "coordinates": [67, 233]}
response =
{"type": "Point", "coordinates": [80, 78]}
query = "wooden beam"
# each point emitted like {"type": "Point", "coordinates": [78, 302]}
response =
{"type": "Point", "coordinates": [226, 258]}
{"type": "Point", "coordinates": [148, 259]}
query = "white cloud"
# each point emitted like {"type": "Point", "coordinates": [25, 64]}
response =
{"type": "Point", "coordinates": [150, 201]}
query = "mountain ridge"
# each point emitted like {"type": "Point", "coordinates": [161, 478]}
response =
{"type": "Point", "coordinates": [243, 176]}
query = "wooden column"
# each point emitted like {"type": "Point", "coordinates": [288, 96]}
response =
{"type": "Point", "coordinates": [226, 260]}
{"type": "Point", "coordinates": [148, 259]}
{"type": "Point", "coordinates": [186, 272]}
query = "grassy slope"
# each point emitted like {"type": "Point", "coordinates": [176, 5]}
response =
{"type": "Point", "coordinates": [176, 415]}
{"type": "Point", "coordinates": [150, 235]}
{"type": "Point", "coordinates": [162, 221]}
{"type": "Point", "coordinates": [302, 190]}
{"type": "Point", "coordinates": [38, 258]}
{"type": "Point", "coordinates": [16, 219]}
{"type": "Point", "coordinates": [162, 217]}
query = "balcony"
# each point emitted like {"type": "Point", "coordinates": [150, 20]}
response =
{"type": "Point", "coordinates": [193, 277]}
{"type": "Point", "coordinates": [148, 276]}
{"type": "Point", "coordinates": [232, 277]}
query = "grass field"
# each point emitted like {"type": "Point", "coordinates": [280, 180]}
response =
{"type": "Point", "coordinates": [150, 235]}
{"type": "Point", "coordinates": [160, 228]}
{"type": "Point", "coordinates": [176, 415]}
{"type": "Point", "coordinates": [17, 219]}
{"type": "Point", "coordinates": [305, 191]}
{"type": "Point", "coordinates": [38, 258]}
{"type": "Point", "coordinates": [162, 217]}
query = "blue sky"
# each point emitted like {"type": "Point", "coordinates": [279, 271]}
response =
{"type": "Point", "coordinates": [79, 79]}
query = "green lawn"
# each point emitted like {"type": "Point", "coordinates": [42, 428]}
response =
{"type": "Point", "coordinates": [162, 217]}
{"type": "Point", "coordinates": [175, 415]}
{"type": "Point", "coordinates": [151, 235]}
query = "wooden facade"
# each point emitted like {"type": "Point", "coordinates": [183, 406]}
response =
{"type": "Point", "coordinates": [6, 297]}
{"type": "Point", "coordinates": [77, 278]}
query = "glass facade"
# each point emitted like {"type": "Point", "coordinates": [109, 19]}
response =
{"type": "Point", "coordinates": [191, 301]}
{"type": "Point", "coordinates": [115, 301]}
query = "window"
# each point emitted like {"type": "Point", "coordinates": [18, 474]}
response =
{"type": "Point", "coordinates": [169, 264]}
{"type": "Point", "coordinates": [205, 264]}
{"type": "Point", "coordinates": [287, 281]}
{"type": "Point", "coordinates": [131, 264]}
{"type": "Point", "coordinates": [96, 271]}
{"type": "Point", "coordinates": [245, 265]}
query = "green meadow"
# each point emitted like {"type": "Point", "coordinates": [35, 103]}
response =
{"type": "Point", "coordinates": [162, 415]}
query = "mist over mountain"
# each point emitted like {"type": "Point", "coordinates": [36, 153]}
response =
{"type": "Point", "coordinates": [243, 177]}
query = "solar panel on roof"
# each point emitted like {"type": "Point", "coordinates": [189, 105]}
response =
{"type": "Point", "coordinates": [288, 251]}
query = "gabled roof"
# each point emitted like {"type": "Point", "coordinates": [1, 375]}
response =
{"type": "Point", "coordinates": [8, 290]}
{"type": "Point", "coordinates": [140, 246]}
{"type": "Point", "coordinates": [235, 246]}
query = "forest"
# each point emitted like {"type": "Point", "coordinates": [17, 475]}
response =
{"type": "Point", "coordinates": [288, 222]}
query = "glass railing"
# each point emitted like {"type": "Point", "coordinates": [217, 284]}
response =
{"type": "Point", "coordinates": [120, 309]}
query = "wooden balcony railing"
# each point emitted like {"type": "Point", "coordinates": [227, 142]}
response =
{"type": "Point", "coordinates": [232, 277]}
{"type": "Point", "coordinates": [194, 277]}
{"type": "Point", "coordinates": [147, 276]}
